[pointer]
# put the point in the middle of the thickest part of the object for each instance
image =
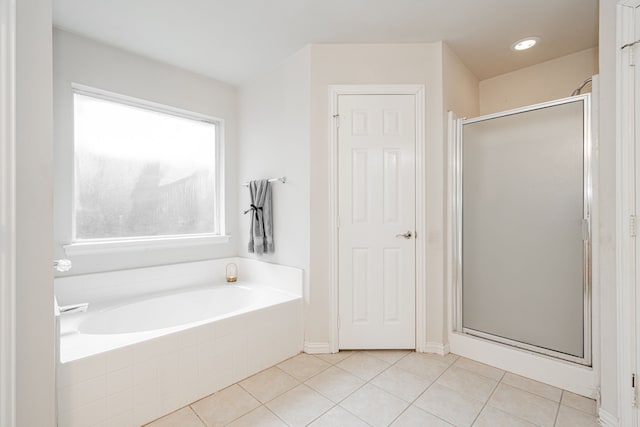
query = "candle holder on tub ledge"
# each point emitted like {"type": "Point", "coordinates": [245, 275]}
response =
{"type": "Point", "coordinates": [231, 271]}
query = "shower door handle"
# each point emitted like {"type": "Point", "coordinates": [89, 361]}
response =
{"type": "Point", "coordinates": [406, 235]}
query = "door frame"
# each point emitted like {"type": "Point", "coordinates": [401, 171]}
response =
{"type": "Point", "coordinates": [626, 212]}
{"type": "Point", "coordinates": [400, 89]}
{"type": "Point", "coordinates": [7, 214]}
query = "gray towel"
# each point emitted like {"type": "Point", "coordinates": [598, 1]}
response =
{"type": "Point", "coordinates": [261, 231]}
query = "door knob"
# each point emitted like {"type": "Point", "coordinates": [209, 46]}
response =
{"type": "Point", "coordinates": [406, 235]}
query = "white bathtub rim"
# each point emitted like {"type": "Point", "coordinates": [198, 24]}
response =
{"type": "Point", "coordinates": [75, 345]}
{"type": "Point", "coordinates": [70, 321]}
{"type": "Point", "coordinates": [112, 286]}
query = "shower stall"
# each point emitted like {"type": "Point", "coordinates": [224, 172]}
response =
{"type": "Point", "coordinates": [522, 228]}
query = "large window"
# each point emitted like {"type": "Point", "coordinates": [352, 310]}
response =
{"type": "Point", "coordinates": [142, 172]}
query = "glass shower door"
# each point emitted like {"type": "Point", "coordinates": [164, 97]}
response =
{"type": "Point", "coordinates": [524, 239]}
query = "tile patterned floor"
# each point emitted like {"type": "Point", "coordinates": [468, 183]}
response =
{"type": "Point", "coordinates": [383, 388]}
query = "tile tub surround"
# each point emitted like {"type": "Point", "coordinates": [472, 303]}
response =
{"type": "Point", "coordinates": [134, 384]}
{"type": "Point", "coordinates": [395, 387]}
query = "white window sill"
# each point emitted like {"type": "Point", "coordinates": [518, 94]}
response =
{"type": "Point", "coordinates": [112, 246]}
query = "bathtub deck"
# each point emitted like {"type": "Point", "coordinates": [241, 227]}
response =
{"type": "Point", "coordinates": [385, 388]}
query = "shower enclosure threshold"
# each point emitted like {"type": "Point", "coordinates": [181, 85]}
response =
{"type": "Point", "coordinates": [585, 361]}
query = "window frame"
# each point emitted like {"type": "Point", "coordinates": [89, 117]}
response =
{"type": "Point", "coordinates": [122, 244]}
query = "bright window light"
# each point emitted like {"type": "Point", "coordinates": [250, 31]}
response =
{"type": "Point", "coordinates": [142, 173]}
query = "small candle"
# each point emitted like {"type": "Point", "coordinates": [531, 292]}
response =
{"type": "Point", "coordinates": [231, 272]}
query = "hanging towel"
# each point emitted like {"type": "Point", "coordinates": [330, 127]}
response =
{"type": "Point", "coordinates": [261, 230]}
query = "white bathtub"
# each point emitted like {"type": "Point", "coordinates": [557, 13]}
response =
{"type": "Point", "coordinates": [185, 308]}
{"type": "Point", "coordinates": [128, 361]}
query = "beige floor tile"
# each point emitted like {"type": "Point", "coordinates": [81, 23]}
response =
{"type": "Point", "coordinates": [525, 405]}
{"type": "Point", "coordinates": [396, 378]}
{"type": "Point", "coordinates": [492, 417]}
{"type": "Point", "coordinates": [184, 417]}
{"type": "Point", "coordinates": [335, 383]}
{"type": "Point", "coordinates": [413, 417]}
{"type": "Point", "coordinates": [334, 358]}
{"type": "Point", "coordinates": [401, 383]}
{"type": "Point", "coordinates": [422, 365]}
{"type": "Point", "coordinates": [578, 402]}
{"type": "Point", "coordinates": [299, 406]}
{"type": "Point", "coordinates": [363, 366]}
{"type": "Point", "coordinates": [454, 407]}
{"type": "Point", "coordinates": [303, 366]}
{"type": "Point", "coordinates": [375, 406]}
{"type": "Point", "coordinates": [467, 382]}
{"type": "Point", "coordinates": [535, 387]}
{"type": "Point", "coordinates": [225, 406]}
{"type": "Point", "coordinates": [479, 368]}
{"type": "Point", "coordinates": [569, 417]}
{"type": "Point", "coordinates": [338, 417]}
{"type": "Point", "coordinates": [448, 358]}
{"type": "Point", "coordinates": [389, 356]}
{"type": "Point", "coordinates": [259, 417]}
{"type": "Point", "coordinates": [269, 383]}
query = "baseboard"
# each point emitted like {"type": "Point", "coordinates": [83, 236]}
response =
{"type": "Point", "coordinates": [606, 419]}
{"type": "Point", "coordinates": [325, 347]}
{"type": "Point", "coordinates": [436, 347]}
{"type": "Point", "coordinates": [316, 347]}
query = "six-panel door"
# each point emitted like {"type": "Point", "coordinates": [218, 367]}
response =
{"type": "Point", "coordinates": [376, 150]}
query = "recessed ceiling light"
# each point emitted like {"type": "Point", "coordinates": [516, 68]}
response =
{"type": "Point", "coordinates": [526, 43]}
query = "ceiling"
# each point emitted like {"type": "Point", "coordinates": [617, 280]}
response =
{"type": "Point", "coordinates": [237, 40]}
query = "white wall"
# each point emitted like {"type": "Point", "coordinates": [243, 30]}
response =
{"type": "Point", "coordinates": [80, 60]}
{"type": "Point", "coordinates": [375, 64]}
{"type": "Point", "coordinates": [274, 136]}
{"type": "Point", "coordinates": [461, 86]}
{"type": "Point", "coordinates": [546, 81]}
{"type": "Point", "coordinates": [607, 226]}
{"type": "Point", "coordinates": [35, 359]}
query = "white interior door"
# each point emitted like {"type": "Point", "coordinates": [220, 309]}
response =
{"type": "Point", "coordinates": [376, 271]}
